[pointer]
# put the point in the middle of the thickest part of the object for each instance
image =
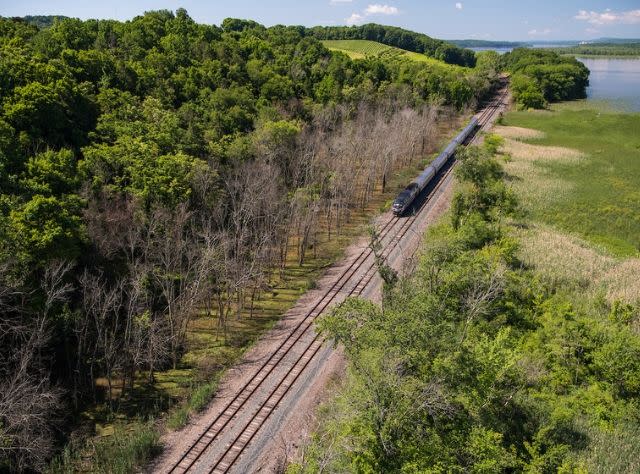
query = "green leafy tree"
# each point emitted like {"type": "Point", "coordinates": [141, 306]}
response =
{"type": "Point", "coordinates": [486, 194]}
{"type": "Point", "coordinates": [52, 173]}
{"type": "Point", "coordinates": [540, 75]}
{"type": "Point", "coordinates": [47, 228]}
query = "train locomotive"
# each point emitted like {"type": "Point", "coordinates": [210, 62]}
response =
{"type": "Point", "coordinates": [407, 196]}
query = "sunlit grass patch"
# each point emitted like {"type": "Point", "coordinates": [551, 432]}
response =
{"type": "Point", "coordinates": [538, 187]}
{"type": "Point", "coordinates": [613, 451]}
{"type": "Point", "coordinates": [572, 263]}
{"type": "Point", "coordinates": [517, 133]}
{"type": "Point", "coordinates": [535, 184]}
{"type": "Point", "coordinates": [541, 153]}
{"type": "Point", "coordinates": [360, 49]}
{"type": "Point", "coordinates": [601, 106]}
{"type": "Point", "coordinates": [622, 281]}
{"type": "Point", "coordinates": [561, 257]}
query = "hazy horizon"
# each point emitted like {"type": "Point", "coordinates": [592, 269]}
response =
{"type": "Point", "coordinates": [491, 20]}
{"type": "Point", "coordinates": [496, 40]}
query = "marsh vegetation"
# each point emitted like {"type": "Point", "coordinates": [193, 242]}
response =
{"type": "Point", "coordinates": [514, 347]}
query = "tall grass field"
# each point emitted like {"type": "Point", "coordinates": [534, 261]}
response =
{"type": "Point", "coordinates": [581, 174]}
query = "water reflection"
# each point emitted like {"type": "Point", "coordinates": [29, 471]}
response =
{"type": "Point", "coordinates": [614, 80]}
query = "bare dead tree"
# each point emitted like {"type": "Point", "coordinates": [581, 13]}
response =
{"type": "Point", "coordinates": [347, 155]}
{"type": "Point", "coordinates": [28, 401]}
{"type": "Point", "coordinates": [180, 270]}
{"type": "Point", "coordinates": [250, 241]}
{"type": "Point", "coordinates": [102, 303]}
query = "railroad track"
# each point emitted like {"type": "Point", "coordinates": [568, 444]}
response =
{"type": "Point", "coordinates": [215, 428]}
{"type": "Point", "coordinates": [391, 234]}
{"type": "Point", "coordinates": [484, 119]}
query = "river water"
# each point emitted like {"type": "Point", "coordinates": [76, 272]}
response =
{"type": "Point", "coordinates": [612, 80]}
{"type": "Point", "coordinates": [616, 81]}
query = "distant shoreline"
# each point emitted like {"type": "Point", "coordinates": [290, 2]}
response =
{"type": "Point", "coordinates": [603, 56]}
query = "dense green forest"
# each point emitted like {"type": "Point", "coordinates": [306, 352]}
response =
{"type": "Point", "coordinates": [477, 362]}
{"type": "Point", "coordinates": [156, 168]}
{"type": "Point", "coordinates": [400, 38]}
{"type": "Point", "coordinates": [539, 76]}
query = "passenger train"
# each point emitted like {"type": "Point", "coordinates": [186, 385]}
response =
{"type": "Point", "coordinates": [408, 195]}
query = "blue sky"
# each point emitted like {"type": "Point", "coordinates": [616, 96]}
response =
{"type": "Point", "coordinates": [481, 19]}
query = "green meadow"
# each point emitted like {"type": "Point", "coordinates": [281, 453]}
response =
{"type": "Point", "coordinates": [597, 196]}
{"type": "Point", "coordinates": [360, 49]}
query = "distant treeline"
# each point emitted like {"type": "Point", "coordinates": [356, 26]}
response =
{"type": "Point", "coordinates": [540, 76]}
{"type": "Point", "coordinates": [472, 43]}
{"type": "Point", "coordinates": [449, 52]}
{"type": "Point", "coordinates": [602, 49]}
{"type": "Point", "coordinates": [400, 38]}
{"type": "Point", "coordinates": [616, 40]}
{"type": "Point", "coordinates": [41, 21]}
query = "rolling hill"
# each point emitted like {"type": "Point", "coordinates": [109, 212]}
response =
{"type": "Point", "coordinates": [398, 38]}
{"type": "Point", "coordinates": [360, 49]}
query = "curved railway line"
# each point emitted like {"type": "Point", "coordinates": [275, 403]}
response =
{"type": "Point", "coordinates": [281, 373]}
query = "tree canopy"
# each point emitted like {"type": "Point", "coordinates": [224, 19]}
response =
{"type": "Point", "coordinates": [158, 166]}
{"type": "Point", "coordinates": [540, 76]}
